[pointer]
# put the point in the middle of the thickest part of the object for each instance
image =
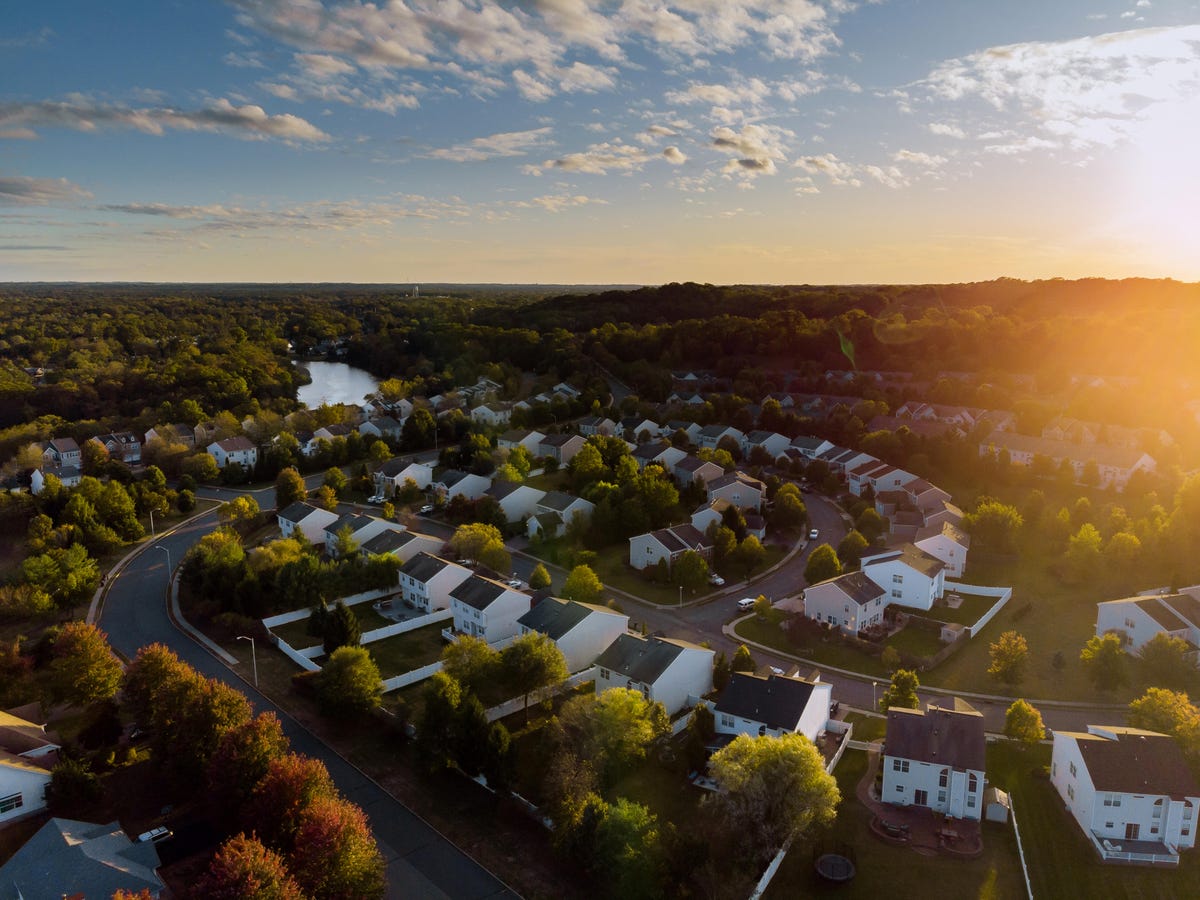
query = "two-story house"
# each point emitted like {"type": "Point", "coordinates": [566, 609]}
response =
{"type": "Point", "coordinates": [850, 602]}
{"type": "Point", "coordinates": [581, 631]}
{"type": "Point", "coordinates": [456, 483]}
{"type": "Point", "coordinates": [935, 758]}
{"type": "Point", "coordinates": [667, 544]}
{"type": "Point", "coordinates": [1138, 619]}
{"type": "Point", "coordinates": [487, 609]}
{"type": "Point", "coordinates": [663, 670]}
{"type": "Point", "coordinates": [517, 501]}
{"type": "Point", "coordinates": [311, 521]}
{"type": "Point", "coordinates": [427, 580]}
{"type": "Point", "coordinates": [912, 577]}
{"type": "Point", "coordinates": [240, 450]}
{"type": "Point", "coordinates": [773, 705]}
{"type": "Point", "coordinates": [122, 446]}
{"type": "Point", "coordinates": [394, 473]}
{"type": "Point", "coordinates": [742, 490]}
{"type": "Point", "coordinates": [560, 447]}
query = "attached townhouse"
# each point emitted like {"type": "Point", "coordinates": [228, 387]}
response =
{"type": "Point", "coordinates": [426, 581]}
{"type": "Point", "coordinates": [773, 705]}
{"type": "Point", "coordinates": [667, 544]}
{"type": "Point", "coordinates": [311, 521]}
{"type": "Point", "coordinates": [487, 609]}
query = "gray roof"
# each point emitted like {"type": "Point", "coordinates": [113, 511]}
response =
{"type": "Point", "coordinates": [952, 737]}
{"type": "Point", "coordinates": [1138, 762]}
{"type": "Point", "coordinates": [736, 478]}
{"type": "Point", "coordinates": [234, 444]}
{"type": "Point", "coordinates": [387, 542]}
{"type": "Point", "coordinates": [424, 566]}
{"type": "Point", "coordinates": [642, 659]}
{"type": "Point", "coordinates": [356, 522]}
{"type": "Point", "coordinates": [554, 617]}
{"type": "Point", "coordinates": [451, 477]}
{"type": "Point", "coordinates": [912, 556]}
{"type": "Point", "coordinates": [803, 442]}
{"type": "Point", "coordinates": [501, 489]}
{"type": "Point", "coordinates": [775, 701]}
{"type": "Point", "coordinates": [558, 440]}
{"type": "Point", "coordinates": [70, 858]}
{"type": "Point", "coordinates": [857, 586]}
{"type": "Point", "coordinates": [650, 450]}
{"type": "Point", "coordinates": [394, 467]}
{"type": "Point", "coordinates": [557, 501]}
{"type": "Point", "coordinates": [478, 592]}
{"type": "Point", "coordinates": [1162, 614]}
{"type": "Point", "coordinates": [297, 511]}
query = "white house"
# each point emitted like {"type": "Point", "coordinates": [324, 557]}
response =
{"type": "Point", "coordinates": [70, 476]}
{"type": "Point", "coordinates": [329, 432]}
{"type": "Point", "coordinates": [563, 506]}
{"type": "Point", "coordinates": [691, 429]}
{"type": "Point", "coordinates": [122, 446]}
{"type": "Point", "coordinates": [239, 450]}
{"type": "Point", "coordinates": [403, 545]}
{"type": "Point", "coordinates": [511, 440]}
{"type": "Point", "coordinates": [1138, 619]}
{"type": "Point", "coordinates": [177, 433]}
{"type": "Point", "coordinates": [923, 495]}
{"type": "Point", "coordinates": [773, 705]}
{"type": "Point", "coordinates": [62, 451]}
{"type": "Point", "coordinates": [590, 425]}
{"type": "Point", "coordinates": [771, 441]}
{"type": "Point", "coordinates": [393, 474]}
{"type": "Point", "coordinates": [663, 670]}
{"type": "Point", "coordinates": [936, 759]}
{"type": "Point", "coordinates": [427, 580]}
{"type": "Point", "coordinates": [693, 470]}
{"type": "Point", "coordinates": [581, 631]}
{"type": "Point", "coordinates": [634, 428]}
{"type": "Point", "coordinates": [27, 754]}
{"type": "Point", "coordinates": [667, 544]}
{"type": "Point", "coordinates": [740, 489]}
{"type": "Point", "coordinates": [490, 414]}
{"type": "Point", "coordinates": [850, 602]}
{"type": "Point", "coordinates": [455, 483]}
{"type": "Point", "coordinates": [811, 447]}
{"type": "Point", "coordinates": [487, 609]}
{"type": "Point", "coordinates": [362, 529]}
{"type": "Point", "coordinates": [658, 453]}
{"type": "Point", "coordinates": [561, 447]}
{"type": "Point", "coordinates": [517, 501]}
{"type": "Point", "coordinates": [858, 477]}
{"type": "Point", "coordinates": [309, 520]}
{"type": "Point", "coordinates": [381, 427]}
{"type": "Point", "coordinates": [1115, 465]}
{"type": "Point", "coordinates": [948, 543]}
{"type": "Point", "coordinates": [709, 513]}
{"type": "Point", "coordinates": [912, 577]}
{"type": "Point", "coordinates": [1130, 791]}
{"type": "Point", "coordinates": [710, 435]}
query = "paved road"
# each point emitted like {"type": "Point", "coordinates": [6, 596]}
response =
{"type": "Point", "coordinates": [421, 863]}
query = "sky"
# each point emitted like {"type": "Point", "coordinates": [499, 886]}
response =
{"type": "Point", "coordinates": [627, 141]}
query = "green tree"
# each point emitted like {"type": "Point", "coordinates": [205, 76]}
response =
{"type": "Point", "coordinates": [471, 661]}
{"type": "Point", "coordinates": [335, 853]}
{"type": "Point", "coordinates": [471, 734]}
{"type": "Point", "coordinates": [750, 554]}
{"type": "Point", "coordinates": [241, 868]}
{"type": "Point", "coordinates": [994, 526]}
{"type": "Point", "coordinates": [890, 658]}
{"type": "Point", "coordinates": [763, 607]}
{"type": "Point", "coordinates": [419, 430]}
{"type": "Point", "coordinates": [240, 510]}
{"type": "Point", "coordinates": [73, 787]}
{"type": "Point", "coordinates": [83, 668]}
{"type": "Point", "coordinates": [1084, 552]}
{"type": "Point", "coordinates": [1122, 551]}
{"type": "Point", "coordinates": [771, 789]}
{"type": "Point", "coordinates": [870, 524]}
{"type": "Point", "coordinates": [344, 544]}
{"type": "Point", "coordinates": [532, 662]}
{"type": "Point", "coordinates": [1170, 713]}
{"type": "Point", "coordinates": [691, 571]}
{"type": "Point", "coordinates": [335, 479]}
{"type": "Point", "coordinates": [743, 661]}
{"type": "Point", "coordinates": [436, 728]}
{"type": "Point", "coordinates": [1023, 723]}
{"type": "Point", "coordinates": [289, 488]}
{"type": "Point", "coordinates": [499, 765]}
{"type": "Point", "coordinates": [822, 565]}
{"type": "Point", "coordinates": [326, 498]}
{"type": "Point", "coordinates": [582, 585]}
{"type": "Point", "coordinates": [539, 578]}
{"type": "Point", "coordinates": [851, 549]}
{"type": "Point", "coordinates": [789, 511]}
{"type": "Point", "coordinates": [68, 574]}
{"type": "Point", "coordinates": [470, 540]}
{"type": "Point", "coordinates": [722, 670]}
{"type": "Point", "coordinates": [496, 557]}
{"type": "Point", "coordinates": [1105, 661]}
{"type": "Point", "coordinates": [1165, 662]}
{"type": "Point", "coordinates": [1008, 654]}
{"type": "Point", "coordinates": [201, 467]}
{"type": "Point", "coordinates": [340, 628]}
{"type": "Point", "coordinates": [613, 728]}
{"type": "Point", "coordinates": [902, 691]}
{"type": "Point", "coordinates": [349, 683]}
{"type": "Point", "coordinates": [628, 853]}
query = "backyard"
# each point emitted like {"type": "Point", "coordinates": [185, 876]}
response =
{"type": "Point", "coordinates": [296, 633]}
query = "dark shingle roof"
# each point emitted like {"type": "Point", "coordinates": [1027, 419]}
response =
{"type": "Point", "coordinates": [641, 659]}
{"type": "Point", "coordinates": [1161, 614]}
{"type": "Point", "coordinates": [451, 477]}
{"type": "Point", "coordinates": [424, 566]}
{"type": "Point", "coordinates": [355, 522]}
{"type": "Point", "coordinates": [557, 440]}
{"type": "Point", "coordinates": [554, 617]}
{"type": "Point", "coordinates": [478, 592]}
{"type": "Point", "coordinates": [1138, 762]}
{"type": "Point", "coordinates": [858, 587]}
{"type": "Point", "coordinates": [387, 542]}
{"type": "Point", "coordinates": [912, 556]}
{"type": "Point", "coordinates": [775, 701]}
{"type": "Point", "coordinates": [557, 501]}
{"type": "Point", "coordinates": [1187, 606]}
{"type": "Point", "coordinates": [952, 737]}
{"type": "Point", "coordinates": [297, 512]}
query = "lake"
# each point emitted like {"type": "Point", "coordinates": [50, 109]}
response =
{"type": "Point", "coordinates": [335, 383]}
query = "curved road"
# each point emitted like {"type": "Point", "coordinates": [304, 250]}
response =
{"type": "Point", "coordinates": [421, 863]}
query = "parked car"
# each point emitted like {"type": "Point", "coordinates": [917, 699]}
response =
{"type": "Point", "coordinates": [812, 535]}
{"type": "Point", "coordinates": [154, 835]}
{"type": "Point", "coordinates": [716, 579]}
{"type": "Point", "coordinates": [515, 583]}
{"type": "Point", "coordinates": [425, 510]}
{"type": "Point", "coordinates": [746, 603]}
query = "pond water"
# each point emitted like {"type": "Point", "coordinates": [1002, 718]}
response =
{"type": "Point", "coordinates": [335, 383]}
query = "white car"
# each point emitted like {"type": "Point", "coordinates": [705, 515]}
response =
{"type": "Point", "coordinates": [425, 510]}
{"type": "Point", "coordinates": [716, 579]}
{"type": "Point", "coordinates": [515, 583]}
{"type": "Point", "coordinates": [812, 535]}
{"type": "Point", "coordinates": [746, 603]}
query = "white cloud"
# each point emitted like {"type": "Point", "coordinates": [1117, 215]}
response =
{"type": "Point", "coordinates": [945, 129]}
{"type": "Point", "coordinates": [674, 156]}
{"type": "Point", "coordinates": [322, 65]}
{"type": "Point", "coordinates": [837, 171]}
{"type": "Point", "coordinates": [599, 159]}
{"type": "Point", "coordinates": [757, 148]}
{"type": "Point", "coordinates": [18, 190]}
{"type": "Point", "coordinates": [928, 160]}
{"type": "Point", "coordinates": [555, 203]}
{"type": "Point", "coordinates": [510, 143]}
{"type": "Point", "coordinates": [83, 114]}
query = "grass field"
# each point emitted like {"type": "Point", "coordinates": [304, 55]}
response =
{"type": "Point", "coordinates": [368, 620]}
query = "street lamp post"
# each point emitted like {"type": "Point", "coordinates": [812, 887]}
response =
{"type": "Point", "coordinates": [168, 552]}
{"type": "Point", "coordinates": [681, 596]}
{"type": "Point", "coordinates": [874, 707]}
{"type": "Point", "coordinates": [152, 534]}
{"type": "Point", "coordinates": [253, 656]}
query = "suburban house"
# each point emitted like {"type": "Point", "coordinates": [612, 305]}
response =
{"type": "Point", "coordinates": [636, 429]}
{"type": "Point", "coordinates": [517, 501]}
{"type": "Point", "coordinates": [912, 577]}
{"type": "Point", "coordinates": [663, 670]}
{"type": "Point", "coordinates": [455, 483]}
{"type": "Point", "coordinates": [1130, 790]}
{"type": "Point", "coordinates": [691, 429]}
{"type": "Point", "coordinates": [329, 432]}
{"type": "Point", "coordinates": [710, 435]}
{"type": "Point", "coordinates": [560, 447]}
{"type": "Point", "coordinates": [309, 520]}
{"type": "Point", "coordinates": [1064, 428]}
{"type": "Point", "coordinates": [709, 513]}
{"type": "Point", "coordinates": [740, 489]}
{"type": "Point", "coordinates": [1138, 619]}
{"type": "Point", "coordinates": [811, 447]}
{"type": "Point", "coordinates": [393, 474]}
{"type": "Point", "coordinates": [559, 510]}
{"type": "Point", "coordinates": [948, 543]}
{"type": "Point", "coordinates": [27, 754]}
{"type": "Point", "coordinates": [70, 476]}
{"type": "Point", "coordinates": [427, 580]}
{"type": "Point", "coordinates": [581, 631]}
{"type": "Point", "coordinates": [923, 495]}
{"type": "Point", "coordinates": [851, 602]}
{"type": "Point", "coordinates": [384, 427]}
{"type": "Point", "coordinates": [881, 477]}
{"type": "Point", "coordinates": [667, 544]}
{"type": "Point", "coordinates": [240, 450]}
{"type": "Point", "coordinates": [511, 440]}
{"type": "Point", "coordinates": [658, 453]}
{"type": "Point", "coordinates": [68, 858]}
{"type": "Point", "coordinates": [770, 441]}
{"type": "Point", "coordinates": [693, 470]}
{"type": "Point", "coordinates": [1115, 465]}
{"type": "Point", "coordinates": [590, 425]}
{"type": "Point", "coordinates": [403, 545]}
{"type": "Point", "coordinates": [122, 446]}
{"type": "Point", "coordinates": [490, 414]}
{"type": "Point", "coordinates": [62, 452]}
{"type": "Point", "coordinates": [773, 705]}
{"type": "Point", "coordinates": [362, 529]}
{"type": "Point", "coordinates": [177, 433]}
{"type": "Point", "coordinates": [935, 758]}
{"type": "Point", "coordinates": [26, 739]}
{"type": "Point", "coordinates": [487, 609]}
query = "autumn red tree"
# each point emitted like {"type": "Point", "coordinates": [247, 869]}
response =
{"type": "Point", "coordinates": [241, 761]}
{"type": "Point", "coordinates": [291, 784]}
{"type": "Point", "coordinates": [242, 868]}
{"type": "Point", "coordinates": [335, 856]}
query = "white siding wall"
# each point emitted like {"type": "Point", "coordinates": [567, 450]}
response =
{"type": "Point", "coordinates": [913, 589]}
{"type": "Point", "coordinates": [645, 550]}
{"type": "Point", "coordinates": [1070, 778]}
{"type": "Point", "coordinates": [951, 553]}
{"type": "Point", "coordinates": [955, 799]}
{"type": "Point", "coordinates": [689, 674]}
{"type": "Point", "coordinates": [582, 644]}
{"type": "Point", "coordinates": [29, 786]}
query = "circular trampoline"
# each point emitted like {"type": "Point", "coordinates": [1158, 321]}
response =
{"type": "Point", "coordinates": [835, 867]}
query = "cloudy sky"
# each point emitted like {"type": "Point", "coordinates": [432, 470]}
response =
{"type": "Point", "coordinates": [585, 141]}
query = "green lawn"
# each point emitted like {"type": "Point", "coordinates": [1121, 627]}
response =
{"type": "Point", "coordinates": [296, 633]}
{"type": "Point", "coordinates": [916, 641]}
{"type": "Point", "coordinates": [556, 481]}
{"type": "Point", "coordinates": [833, 654]}
{"type": "Point", "coordinates": [867, 728]}
{"type": "Point", "coordinates": [1062, 862]}
{"type": "Point", "coordinates": [967, 613]}
{"type": "Point", "coordinates": [884, 870]}
{"type": "Point", "coordinates": [408, 651]}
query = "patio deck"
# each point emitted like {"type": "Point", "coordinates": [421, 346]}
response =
{"type": "Point", "coordinates": [1134, 853]}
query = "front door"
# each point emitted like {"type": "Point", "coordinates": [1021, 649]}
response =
{"type": "Point", "coordinates": [1131, 831]}
{"type": "Point", "coordinates": [921, 798]}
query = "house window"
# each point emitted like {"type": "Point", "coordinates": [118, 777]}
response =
{"type": "Point", "coordinates": [896, 592]}
{"type": "Point", "coordinates": [1154, 830]}
{"type": "Point", "coordinates": [941, 796]}
{"type": "Point", "coordinates": [11, 802]}
{"type": "Point", "coordinates": [899, 765]}
{"type": "Point", "coordinates": [973, 783]}
{"type": "Point", "coordinates": [1158, 808]}
{"type": "Point", "coordinates": [1071, 791]}
{"type": "Point", "coordinates": [1108, 825]}
{"type": "Point", "coordinates": [605, 674]}
{"type": "Point", "coordinates": [1187, 812]}
{"type": "Point", "coordinates": [726, 721]}
{"type": "Point", "coordinates": [899, 789]}
{"type": "Point", "coordinates": [921, 797]}
{"type": "Point", "coordinates": [944, 778]}
{"type": "Point", "coordinates": [1073, 772]}
{"type": "Point", "coordinates": [971, 802]}
{"type": "Point", "coordinates": [897, 579]}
